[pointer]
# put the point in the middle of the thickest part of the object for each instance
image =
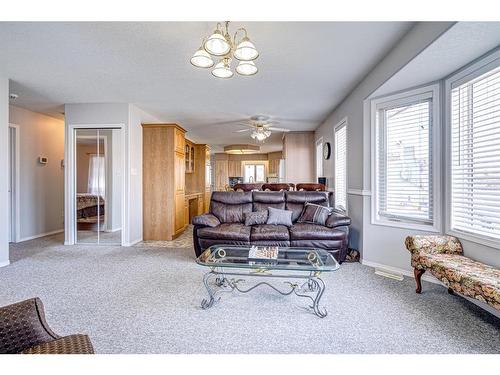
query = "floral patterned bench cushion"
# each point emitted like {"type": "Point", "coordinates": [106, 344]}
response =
{"type": "Point", "coordinates": [464, 275]}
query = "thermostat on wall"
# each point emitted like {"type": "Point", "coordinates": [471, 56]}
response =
{"type": "Point", "coordinates": [43, 159]}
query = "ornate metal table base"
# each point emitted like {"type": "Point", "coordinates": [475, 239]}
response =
{"type": "Point", "coordinates": [217, 282]}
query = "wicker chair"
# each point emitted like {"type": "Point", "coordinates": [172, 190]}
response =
{"type": "Point", "coordinates": [310, 187]}
{"type": "Point", "coordinates": [24, 330]}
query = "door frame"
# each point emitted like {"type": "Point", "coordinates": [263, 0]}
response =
{"type": "Point", "coordinates": [15, 201]}
{"type": "Point", "coordinates": [70, 180]}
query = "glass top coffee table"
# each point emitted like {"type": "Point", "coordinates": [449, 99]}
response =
{"type": "Point", "coordinates": [229, 266]}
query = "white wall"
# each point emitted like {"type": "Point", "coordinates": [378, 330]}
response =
{"type": "Point", "coordinates": [377, 244]}
{"type": "Point", "coordinates": [135, 174]}
{"type": "Point", "coordinates": [117, 182]}
{"type": "Point", "coordinates": [41, 190]}
{"type": "Point", "coordinates": [4, 171]}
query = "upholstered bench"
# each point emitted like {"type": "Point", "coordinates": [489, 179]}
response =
{"type": "Point", "coordinates": [443, 257]}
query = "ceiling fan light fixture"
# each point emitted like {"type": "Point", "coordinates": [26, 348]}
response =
{"type": "Point", "coordinates": [216, 44]}
{"type": "Point", "coordinates": [201, 59]}
{"type": "Point", "coordinates": [245, 50]}
{"type": "Point", "coordinates": [260, 134]}
{"type": "Point", "coordinates": [241, 149]}
{"type": "Point", "coordinates": [246, 68]}
{"type": "Point", "coordinates": [223, 69]}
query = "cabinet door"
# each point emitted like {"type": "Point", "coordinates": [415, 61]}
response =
{"type": "Point", "coordinates": [234, 168]}
{"type": "Point", "coordinates": [206, 201]}
{"type": "Point", "coordinates": [179, 168]}
{"type": "Point", "coordinates": [180, 213]}
{"type": "Point", "coordinates": [179, 140]}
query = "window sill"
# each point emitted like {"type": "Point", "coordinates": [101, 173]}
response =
{"type": "Point", "coordinates": [495, 244]}
{"type": "Point", "coordinates": [406, 225]}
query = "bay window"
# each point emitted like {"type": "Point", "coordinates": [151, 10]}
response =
{"type": "Point", "coordinates": [474, 153]}
{"type": "Point", "coordinates": [406, 159]}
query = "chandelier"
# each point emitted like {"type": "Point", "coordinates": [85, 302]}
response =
{"type": "Point", "coordinates": [220, 45]}
{"type": "Point", "coordinates": [260, 134]}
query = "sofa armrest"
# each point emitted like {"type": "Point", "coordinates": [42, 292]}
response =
{"type": "Point", "coordinates": [433, 244]}
{"type": "Point", "coordinates": [23, 325]}
{"type": "Point", "coordinates": [73, 344]}
{"type": "Point", "coordinates": [206, 220]}
{"type": "Point", "coordinates": [336, 219]}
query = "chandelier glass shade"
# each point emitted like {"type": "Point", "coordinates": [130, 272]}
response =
{"type": "Point", "coordinates": [220, 44]}
{"type": "Point", "coordinates": [222, 69]}
{"type": "Point", "coordinates": [202, 59]}
{"type": "Point", "coordinates": [217, 45]}
{"type": "Point", "coordinates": [246, 51]}
{"type": "Point", "coordinates": [246, 68]}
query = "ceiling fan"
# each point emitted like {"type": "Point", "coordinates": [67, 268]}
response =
{"type": "Point", "coordinates": [260, 127]}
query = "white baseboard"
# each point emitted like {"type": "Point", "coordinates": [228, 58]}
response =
{"type": "Point", "coordinates": [432, 279]}
{"type": "Point", "coordinates": [41, 235]}
{"type": "Point", "coordinates": [401, 271]}
{"type": "Point", "coordinates": [4, 263]}
{"type": "Point", "coordinates": [132, 243]}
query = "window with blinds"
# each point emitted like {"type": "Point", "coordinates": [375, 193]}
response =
{"type": "Point", "coordinates": [475, 156]}
{"type": "Point", "coordinates": [340, 141]}
{"type": "Point", "coordinates": [404, 160]}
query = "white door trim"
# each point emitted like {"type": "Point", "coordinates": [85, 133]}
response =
{"type": "Point", "coordinates": [16, 201]}
{"type": "Point", "coordinates": [70, 180]}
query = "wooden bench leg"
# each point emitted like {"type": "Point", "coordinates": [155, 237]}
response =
{"type": "Point", "coordinates": [418, 279]}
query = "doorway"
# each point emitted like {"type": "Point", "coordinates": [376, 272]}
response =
{"type": "Point", "coordinates": [98, 186]}
{"type": "Point", "coordinates": [14, 138]}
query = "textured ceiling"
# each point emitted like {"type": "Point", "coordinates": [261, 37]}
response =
{"type": "Point", "coordinates": [461, 44]}
{"type": "Point", "coordinates": [306, 69]}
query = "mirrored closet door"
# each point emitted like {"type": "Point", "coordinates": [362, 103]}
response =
{"type": "Point", "coordinates": [99, 182]}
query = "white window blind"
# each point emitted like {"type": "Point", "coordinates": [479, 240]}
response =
{"type": "Point", "coordinates": [475, 156]}
{"type": "Point", "coordinates": [340, 138]}
{"type": "Point", "coordinates": [404, 159]}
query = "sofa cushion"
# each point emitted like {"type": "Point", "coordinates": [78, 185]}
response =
{"type": "Point", "coordinates": [255, 218]}
{"type": "Point", "coordinates": [304, 231]}
{"type": "Point", "coordinates": [226, 231]}
{"type": "Point", "coordinates": [267, 232]}
{"type": "Point", "coordinates": [314, 214]}
{"type": "Point", "coordinates": [229, 207]}
{"type": "Point", "coordinates": [264, 199]}
{"type": "Point", "coordinates": [279, 217]}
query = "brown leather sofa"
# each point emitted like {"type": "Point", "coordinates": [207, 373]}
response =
{"type": "Point", "coordinates": [24, 330]}
{"type": "Point", "coordinates": [225, 223]}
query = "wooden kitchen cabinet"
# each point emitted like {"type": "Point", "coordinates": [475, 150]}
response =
{"type": "Point", "coordinates": [164, 207]}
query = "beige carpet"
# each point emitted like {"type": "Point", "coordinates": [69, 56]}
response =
{"type": "Point", "coordinates": [146, 299]}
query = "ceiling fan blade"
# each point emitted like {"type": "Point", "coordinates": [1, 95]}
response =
{"type": "Point", "coordinates": [278, 129]}
{"type": "Point", "coordinates": [242, 130]}
{"type": "Point", "coordinates": [284, 119]}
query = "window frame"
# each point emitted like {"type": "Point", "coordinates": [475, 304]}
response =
{"type": "Point", "coordinates": [319, 158]}
{"type": "Point", "coordinates": [342, 123]}
{"type": "Point", "coordinates": [401, 98]}
{"type": "Point", "coordinates": [466, 74]}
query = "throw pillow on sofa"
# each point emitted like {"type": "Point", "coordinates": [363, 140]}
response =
{"type": "Point", "coordinates": [255, 218]}
{"type": "Point", "coordinates": [314, 214]}
{"type": "Point", "coordinates": [279, 217]}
